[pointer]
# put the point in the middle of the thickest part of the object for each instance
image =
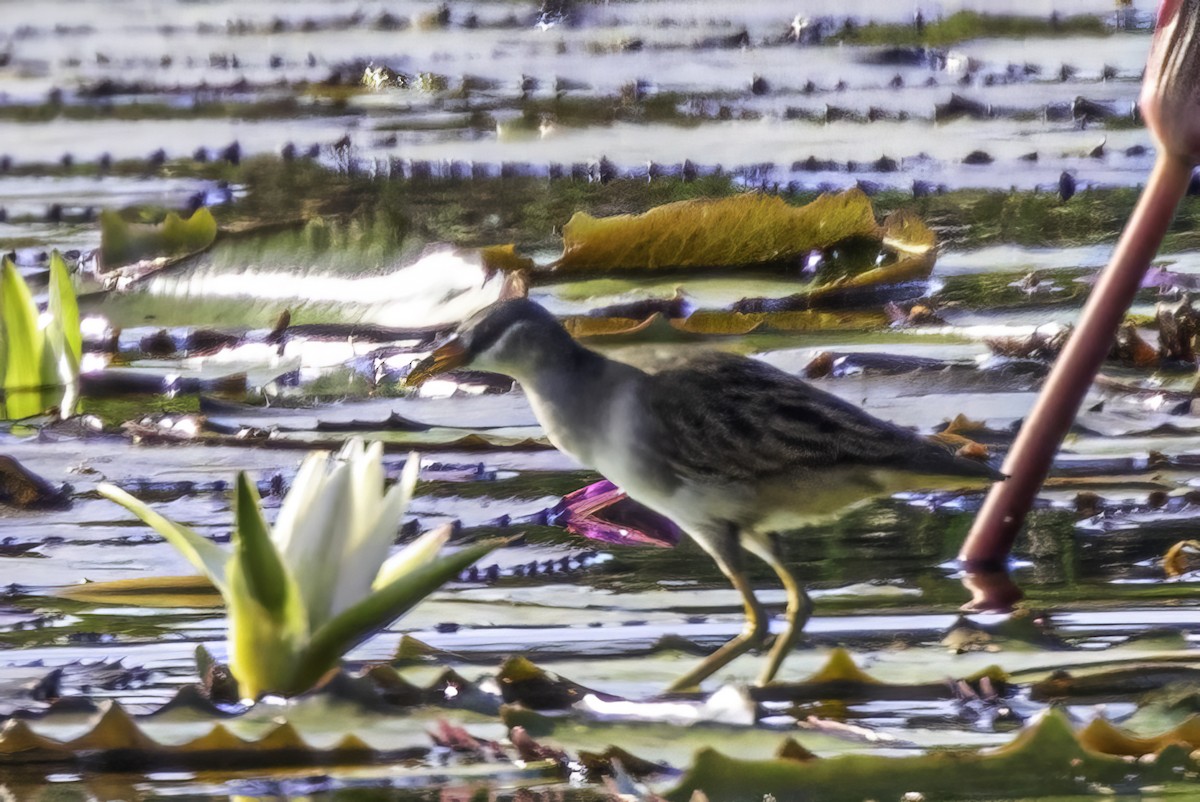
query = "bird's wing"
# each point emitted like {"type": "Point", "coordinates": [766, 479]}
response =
{"type": "Point", "coordinates": [728, 418]}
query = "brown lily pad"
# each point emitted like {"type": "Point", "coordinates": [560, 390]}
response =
{"type": "Point", "coordinates": [748, 229]}
{"type": "Point", "coordinates": [536, 689]}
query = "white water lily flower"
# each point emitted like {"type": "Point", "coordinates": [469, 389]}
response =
{"type": "Point", "coordinates": [304, 592]}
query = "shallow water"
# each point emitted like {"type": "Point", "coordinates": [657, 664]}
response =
{"type": "Point", "coordinates": [506, 101]}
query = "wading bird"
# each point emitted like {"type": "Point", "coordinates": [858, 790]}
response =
{"type": "Point", "coordinates": [731, 449]}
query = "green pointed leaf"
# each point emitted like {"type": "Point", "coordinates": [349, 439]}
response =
{"type": "Point", "coordinates": [383, 606]}
{"type": "Point", "coordinates": [60, 372]}
{"type": "Point", "coordinates": [206, 556]}
{"type": "Point", "coordinates": [64, 307]}
{"type": "Point", "coordinates": [49, 373]}
{"type": "Point", "coordinates": [24, 342]}
{"type": "Point", "coordinates": [266, 576]}
{"type": "Point", "coordinates": [39, 368]}
{"type": "Point", "coordinates": [264, 643]}
{"type": "Point", "coordinates": [4, 263]}
{"type": "Point", "coordinates": [267, 620]}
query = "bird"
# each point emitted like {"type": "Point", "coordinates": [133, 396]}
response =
{"type": "Point", "coordinates": [731, 449]}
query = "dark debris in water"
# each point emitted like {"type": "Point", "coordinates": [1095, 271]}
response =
{"type": "Point", "coordinates": [23, 489]}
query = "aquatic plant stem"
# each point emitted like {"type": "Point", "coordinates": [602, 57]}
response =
{"type": "Point", "coordinates": [984, 556]}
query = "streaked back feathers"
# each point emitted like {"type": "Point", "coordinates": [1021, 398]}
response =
{"type": "Point", "coordinates": [727, 417]}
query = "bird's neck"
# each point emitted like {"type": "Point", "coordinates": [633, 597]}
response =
{"type": "Point", "coordinates": [574, 394]}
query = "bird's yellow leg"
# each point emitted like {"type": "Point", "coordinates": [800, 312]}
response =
{"type": "Point", "coordinates": [754, 633]}
{"type": "Point", "coordinates": [799, 609]}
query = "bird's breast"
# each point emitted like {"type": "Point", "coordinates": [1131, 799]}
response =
{"type": "Point", "coordinates": [562, 435]}
{"type": "Point", "coordinates": [630, 458]}
{"type": "Point", "coordinates": [600, 422]}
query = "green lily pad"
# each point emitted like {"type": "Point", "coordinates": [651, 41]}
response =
{"type": "Point", "coordinates": [1046, 758]}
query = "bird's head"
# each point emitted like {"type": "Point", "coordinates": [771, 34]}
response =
{"type": "Point", "coordinates": [512, 337]}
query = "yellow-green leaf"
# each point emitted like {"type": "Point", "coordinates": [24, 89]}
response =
{"type": "Point", "coordinates": [23, 340]}
{"type": "Point", "coordinates": [268, 624]}
{"type": "Point", "coordinates": [264, 643]}
{"type": "Point", "coordinates": [30, 371]}
{"type": "Point", "coordinates": [266, 576]}
{"type": "Point", "coordinates": [64, 307]}
{"type": "Point", "coordinates": [3, 338]}
{"type": "Point", "coordinates": [122, 242]}
{"type": "Point", "coordinates": [380, 608]}
{"type": "Point", "coordinates": [741, 230]}
{"type": "Point", "coordinates": [201, 552]}
{"type": "Point", "coordinates": [39, 367]}
{"type": "Point", "coordinates": [143, 591]}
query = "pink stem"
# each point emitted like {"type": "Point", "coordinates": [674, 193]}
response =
{"type": "Point", "coordinates": [1003, 513]}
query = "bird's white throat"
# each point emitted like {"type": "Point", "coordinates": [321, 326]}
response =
{"type": "Point", "coordinates": [582, 406]}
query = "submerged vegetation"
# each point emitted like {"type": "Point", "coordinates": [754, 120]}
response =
{"type": "Point", "coordinates": [534, 208]}
{"type": "Point", "coordinates": [963, 26]}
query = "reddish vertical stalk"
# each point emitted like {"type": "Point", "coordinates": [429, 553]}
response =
{"type": "Point", "coordinates": [985, 553]}
{"type": "Point", "coordinates": [1170, 105]}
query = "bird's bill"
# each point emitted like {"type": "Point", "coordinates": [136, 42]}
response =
{"type": "Point", "coordinates": [446, 357]}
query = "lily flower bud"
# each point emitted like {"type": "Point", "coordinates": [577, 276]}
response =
{"type": "Point", "coordinates": [1170, 99]}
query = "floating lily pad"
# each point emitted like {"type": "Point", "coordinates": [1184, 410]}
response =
{"type": "Point", "coordinates": [1047, 758]}
{"type": "Point", "coordinates": [116, 741]}
{"type": "Point", "coordinates": [123, 242]}
{"type": "Point", "coordinates": [164, 591]}
{"type": "Point", "coordinates": [738, 231]}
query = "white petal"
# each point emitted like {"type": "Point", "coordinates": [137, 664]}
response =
{"type": "Point", "coordinates": [361, 555]}
{"type": "Point", "coordinates": [352, 449]}
{"type": "Point", "coordinates": [373, 457]}
{"type": "Point", "coordinates": [417, 554]}
{"type": "Point", "coordinates": [305, 488]}
{"type": "Point", "coordinates": [362, 563]}
{"type": "Point", "coordinates": [316, 555]}
{"type": "Point", "coordinates": [366, 488]}
{"type": "Point", "coordinates": [408, 476]}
